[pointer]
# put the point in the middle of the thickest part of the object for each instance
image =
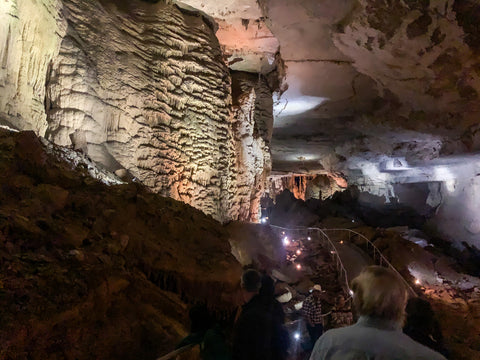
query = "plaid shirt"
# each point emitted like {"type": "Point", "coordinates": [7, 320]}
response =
{"type": "Point", "coordinates": [312, 310]}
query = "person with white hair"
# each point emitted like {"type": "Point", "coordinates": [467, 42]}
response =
{"type": "Point", "coordinates": [380, 298]}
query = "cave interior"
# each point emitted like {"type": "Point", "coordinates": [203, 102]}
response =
{"type": "Point", "coordinates": [151, 149]}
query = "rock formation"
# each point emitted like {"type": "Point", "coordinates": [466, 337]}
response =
{"type": "Point", "coordinates": [96, 271]}
{"type": "Point", "coordinates": [306, 187]}
{"type": "Point", "coordinates": [378, 93]}
{"type": "Point", "coordinates": [30, 35]}
{"type": "Point", "coordinates": [139, 87]}
{"type": "Point", "coordinates": [252, 102]}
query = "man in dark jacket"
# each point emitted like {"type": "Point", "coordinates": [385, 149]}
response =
{"type": "Point", "coordinates": [253, 329]}
{"type": "Point", "coordinates": [280, 335]}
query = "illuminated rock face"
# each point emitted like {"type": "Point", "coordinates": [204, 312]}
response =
{"type": "Point", "coordinates": [306, 187]}
{"type": "Point", "coordinates": [146, 86]}
{"type": "Point", "coordinates": [416, 51]}
{"type": "Point", "coordinates": [30, 35]}
{"type": "Point", "coordinates": [144, 90]}
{"type": "Point", "coordinates": [252, 100]}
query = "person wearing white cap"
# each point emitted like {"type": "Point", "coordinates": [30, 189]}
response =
{"type": "Point", "coordinates": [312, 311]}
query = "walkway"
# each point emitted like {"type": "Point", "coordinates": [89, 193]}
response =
{"type": "Point", "coordinates": [353, 258]}
{"type": "Point", "coordinates": [325, 257]}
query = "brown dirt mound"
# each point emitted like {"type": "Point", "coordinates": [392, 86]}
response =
{"type": "Point", "coordinates": [90, 271]}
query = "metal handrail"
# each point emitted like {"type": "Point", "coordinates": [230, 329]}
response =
{"type": "Point", "coordinates": [177, 352]}
{"type": "Point", "coordinates": [339, 264]}
{"type": "Point", "coordinates": [383, 261]}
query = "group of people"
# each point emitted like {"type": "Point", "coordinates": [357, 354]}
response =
{"type": "Point", "coordinates": [380, 300]}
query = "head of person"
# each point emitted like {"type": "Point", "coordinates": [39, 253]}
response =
{"type": "Point", "coordinates": [317, 291]}
{"type": "Point", "coordinates": [340, 301]}
{"type": "Point", "coordinates": [251, 283]}
{"type": "Point", "coordinates": [380, 293]}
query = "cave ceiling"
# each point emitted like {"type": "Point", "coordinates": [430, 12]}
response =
{"type": "Point", "coordinates": [364, 81]}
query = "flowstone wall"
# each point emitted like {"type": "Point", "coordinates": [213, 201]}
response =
{"type": "Point", "coordinates": [143, 89]}
{"type": "Point", "coordinates": [253, 105]}
{"type": "Point", "coordinates": [30, 35]}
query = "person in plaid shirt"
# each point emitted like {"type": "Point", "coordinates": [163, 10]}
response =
{"type": "Point", "coordinates": [312, 311]}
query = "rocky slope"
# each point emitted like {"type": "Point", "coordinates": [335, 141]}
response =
{"type": "Point", "coordinates": [90, 270]}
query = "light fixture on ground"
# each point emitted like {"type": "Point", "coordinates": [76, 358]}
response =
{"type": "Point", "coordinates": [299, 267]}
{"type": "Point", "coordinates": [309, 238]}
{"type": "Point", "coordinates": [286, 242]}
{"type": "Point", "coordinates": [296, 335]}
{"type": "Point", "coordinates": [299, 252]}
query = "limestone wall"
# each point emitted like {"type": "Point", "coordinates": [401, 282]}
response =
{"type": "Point", "coordinates": [144, 90]}
{"type": "Point", "coordinates": [30, 35]}
{"type": "Point", "coordinates": [306, 187]}
{"type": "Point", "coordinates": [253, 104]}
{"type": "Point", "coordinates": [417, 53]}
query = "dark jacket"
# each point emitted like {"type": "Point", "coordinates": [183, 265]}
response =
{"type": "Point", "coordinates": [252, 338]}
{"type": "Point", "coordinates": [214, 346]}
